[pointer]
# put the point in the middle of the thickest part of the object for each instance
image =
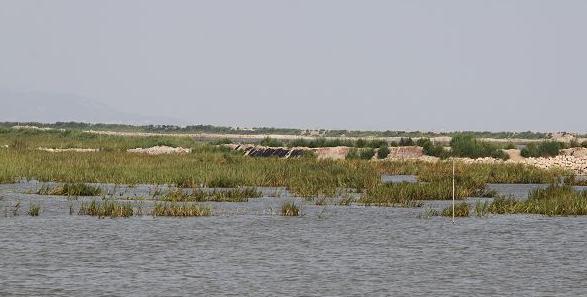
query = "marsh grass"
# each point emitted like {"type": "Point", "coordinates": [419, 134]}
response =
{"type": "Point", "coordinates": [461, 210]}
{"type": "Point", "coordinates": [346, 201]}
{"type": "Point", "coordinates": [476, 172]}
{"type": "Point", "coordinates": [203, 167]}
{"type": "Point", "coordinates": [396, 195]}
{"type": "Point", "coordinates": [555, 200]}
{"type": "Point", "coordinates": [34, 209]}
{"type": "Point", "coordinates": [70, 189]}
{"type": "Point", "coordinates": [290, 209]}
{"type": "Point", "coordinates": [482, 208]}
{"type": "Point", "coordinates": [429, 213]}
{"type": "Point", "coordinates": [106, 208]}
{"type": "Point", "coordinates": [173, 209]}
{"type": "Point", "coordinates": [406, 194]}
{"type": "Point", "coordinates": [199, 195]}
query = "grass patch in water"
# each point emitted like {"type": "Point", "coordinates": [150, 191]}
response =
{"type": "Point", "coordinates": [199, 195]}
{"type": "Point", "coordinates": [103, 209]}
{"type": "Point", "coordinates": [555, 200]}
{"type": "Point", "coordinates": [172, 209]}
{"type": "Point", "coordinates": [461, 210]}
{"type": "Point", "coordinates": [290, 209]}
{"type": "Point", "coordinates": [34, 210]}
{"type": "Point", "coordinates": [406, 194]}
{"type": "Point", "coordinates": [70, 189]}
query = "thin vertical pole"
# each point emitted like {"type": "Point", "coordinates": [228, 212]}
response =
{"type": "Point", "coordinates": [453, 191]}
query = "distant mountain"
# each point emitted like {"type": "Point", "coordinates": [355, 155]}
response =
{"type": "Point", "coordinates": [50, 107]}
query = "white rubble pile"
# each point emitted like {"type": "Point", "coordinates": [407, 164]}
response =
{"type": "Point", "coordinates": [160, 150]}
{"type": "Point", "coordinates": [60, 150]}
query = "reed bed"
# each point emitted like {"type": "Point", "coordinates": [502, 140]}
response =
{"type": "Point", "coordinates": [555, 200]}
{"type": "Point", "coordinates": [172, 209]}
{"type": "Point", "coordinates": [290, 209]}
{"type": "Point", "coordinates": [304, 176]}
{"type": "Point", "coordinates": [104, 209]}
{"type": "Point", "coordinates": [199, 195]}
{"type": "Point", "coordinates": [406, 194]}
{"type": "Point", "coordinates": [70, 189]}
{"type": "Point", "coordinates": [477, 172]}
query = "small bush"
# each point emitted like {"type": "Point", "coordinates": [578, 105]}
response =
{"type": "Point", "coordinates": [406, 141]}
{"type": "Point", "coordinates": [367, 154]}
{"type": "Point", "coordinates": [469, 147]}
{"type": "Point", "coordinates": [383, 152]}
{"type": "Point", "coordinates": [431, 149]}
{"type": "Point", "coordinates": [542, 149]}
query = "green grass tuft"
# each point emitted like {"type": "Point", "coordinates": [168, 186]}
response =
{"type": "Point", "coordinates": [172, 209]}
{"type": "Point", "coordinates": [290, 209]}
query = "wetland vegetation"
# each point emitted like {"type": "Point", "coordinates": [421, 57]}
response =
{"type": "Point", "coordinates": [172, 209]}
{"type": "Point", "coordinates": [70, 189]}
{"type": "Point", "coordinates": [556, 200]}
{"type": "Point", "coordinates": [199, 195]}
{"type": "Point", "coordinates": [215, 167]}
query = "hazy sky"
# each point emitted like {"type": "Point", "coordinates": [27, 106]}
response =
{"type": "Point", "coordinates": [428, 65]}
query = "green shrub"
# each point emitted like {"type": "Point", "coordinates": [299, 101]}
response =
{"type": "Point", "coordinates": [383, 152]}
{"type": "Point", "coordinates": [367, 153]}
{"type": "Point", "coordinates": [542, 149]}
{"type": "Point", "coordinates": [361, 153]}
{"type": "Point", "coordinates": [469, 147]}
{"type": "Point", "coordinates": [431, 149]}
{"type": "Point", "coordinates": [406, 141]}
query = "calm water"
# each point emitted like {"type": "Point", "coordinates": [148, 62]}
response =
{"type": "Point", "coordinates": [248, 250]}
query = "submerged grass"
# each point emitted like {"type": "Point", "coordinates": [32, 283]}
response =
{"type": "Point", "coordinates": [555, 200]}
{"type": "Point", "coordinates": [172, 209]}
{"type": "Point", "coordinates": [103, 209]}
{"type": "Point", "coordinates": [70, 189]}
{"type": "Point", "coordinates": [198, 195]}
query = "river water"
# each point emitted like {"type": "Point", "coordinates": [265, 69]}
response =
{"type": "Point", "coordinates": [245, 249]}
